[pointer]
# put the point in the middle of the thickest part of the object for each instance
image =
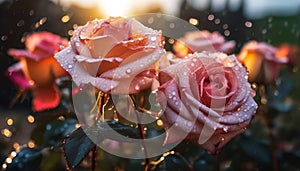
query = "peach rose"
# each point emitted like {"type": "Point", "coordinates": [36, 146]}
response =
{"type": "Point", "coordinates": [261, 61]}
{"type": "Point", "coordinates": [198, 41]}
{"type": "Point", "coordinates": [37, 69]}
{"type": "Point", "coordinates": [114, 55]}
{"type": "Point", "coordinates": [207, 100]}
{"type": "Point", "coordinates": [292, 52]}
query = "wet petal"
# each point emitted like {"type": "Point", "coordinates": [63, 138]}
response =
{"type": "Point", "coordinates": [45, 97]}
{"type": "Point", "coordinates": [16, 75]}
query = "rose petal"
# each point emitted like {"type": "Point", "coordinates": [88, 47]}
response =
{"type": "Point", "coordinates": [45, 97]}
{"type": "Point", "coordinates": [146, 59]}
{"type": "Point", "coordinates": [16, 75]}
{"type": "Point", "coordinates": [23, 53]}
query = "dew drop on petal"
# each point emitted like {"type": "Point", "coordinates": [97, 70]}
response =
{"type": "Point", "coordinates": [137, 87]}
{"type": "Point", "coordinates": [128, 71]}
{"type": "Point", "coordinates": [153, 38]}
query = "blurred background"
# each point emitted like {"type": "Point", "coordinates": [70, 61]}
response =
{"type": "Point", "coordinates": [274, 22]}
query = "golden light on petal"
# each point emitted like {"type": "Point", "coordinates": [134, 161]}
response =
{"type": "Point", "coordinates": [65, 19]}
{"type": "Point", "coordinates": [31, 144]}
{"type": "Point", "coordinates": [9, 122]}
{"type": "Point", "coordinates": [159, 122]}
{"type": "Point", "coordinates": [30, 119]}
{"type": "Point", "coordinates": [193, 21]}
{"type": "Point", "coordinates": [6, 132]}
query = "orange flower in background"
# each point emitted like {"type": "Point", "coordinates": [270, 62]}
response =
{"type": "Point", "coordinates": [198, 41]}
{"type": "Point", "coordinates": [261, 61]}
{"type": "Point", "coordinates": [115, 55]}
{"type": "Point", "coordinates": [290, 51]}
{"type": "Point", "coordinates": [38, 69]}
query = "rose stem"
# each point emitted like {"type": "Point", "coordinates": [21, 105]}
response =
{"type": "Point", "coordinates": [94, 154]}
{"type": "Point", "coordinates": [268, 123]}
{"type": "Point", "coordinates": [142, 135]}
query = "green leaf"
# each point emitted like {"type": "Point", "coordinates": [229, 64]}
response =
{"type": "Point", "coordinates": [173, 163]}
{"type": "Point", "coordinates": [76, 146]}
{"type": "Point", "coordinates": [106, 130]}
{"type": "Point", "coordinates": [27, 159]}
{"type": "Point", "coordinates": [256, 149]}
{"type": "Point", "coordinates": [201, 165]}
{"type": "Point", "coordinates": [57, 130]}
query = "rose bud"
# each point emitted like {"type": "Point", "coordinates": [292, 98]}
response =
{"type": "Point", "coordinates": [261, 62]}
{"type": "Point", "coordinates": [115, 55]}
{"type": "Point", "coordinates": [206, 99]}
{"type": "Point", "coordinates": [198, 41]}
{"type": "Point", "coordinates": [38, 69]}
{"type": "Point", "coordinates": [292, 52]}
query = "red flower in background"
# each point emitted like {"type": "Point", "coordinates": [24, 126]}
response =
{"type": "Point", "coordinates": [198, 41]}
{"type": "Point", "coordinates": [38, 69]}
{"type": "Point", "coordinates": [261, 61]}
{"type": "Point", "coordinates": [207, 100]}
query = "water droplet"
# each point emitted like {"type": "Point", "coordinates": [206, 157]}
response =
{"type": "Point", "coordinates": [48, 127]}
{"type": "Point", "coordinates": [20, 23]}
{"type": "Point", "coordinates": [77, 44]}
{"type": "Point", "coordinates": [70, 66]}
{"type": "Point", "coordinates": [128, 71]}
{"type": "Point", "coordinates": [211, 17]}
{"type": "Point", "coordinates": [4, 38]}
{"type": "Point", "coordinates": [217, 21]}
{"type": "Point", "coordinates": [248, 24]}
{"type": "Point", "coordinates": [153, 38]}
{"type": "Point", "coordinates": [192, 64]}
{"type": "Point", "coordinates": [226, 32]}
{"type": "Point", "coordinates": [137, 87]}
{"type": "Point", "coordinates": [264, 31]}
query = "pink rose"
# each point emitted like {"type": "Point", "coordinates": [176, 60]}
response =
{"type": "Point", "coordinates": [37, 69]}
{"type": "Point", "coordinates": [261, 61]}
{"type": "Point", "coordinates": [114, 55]}
{"type": "Point", "coordinates": [198, 41]}
{"type": "Point", "coordinates": [207, 100]}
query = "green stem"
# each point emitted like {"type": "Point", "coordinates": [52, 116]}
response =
{"type": "Point", "coordinates": [94, 155]}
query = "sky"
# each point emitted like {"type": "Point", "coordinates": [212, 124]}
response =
{"type": "Point", "coordinates": [254, 9]}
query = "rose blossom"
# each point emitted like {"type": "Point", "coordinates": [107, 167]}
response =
{"type": "Point", "coordinates": [292, 52]}
{"type": "Point", "coordinates": [207, 100]}
{"type": "Point", "coordinates": [113, 54]}
{"type": "Point", "coordinates": [198, 41]}
{"type": "Point", "coordinates": [261, 61]}
{"type": "Point", "coordinates": [37, 69]}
